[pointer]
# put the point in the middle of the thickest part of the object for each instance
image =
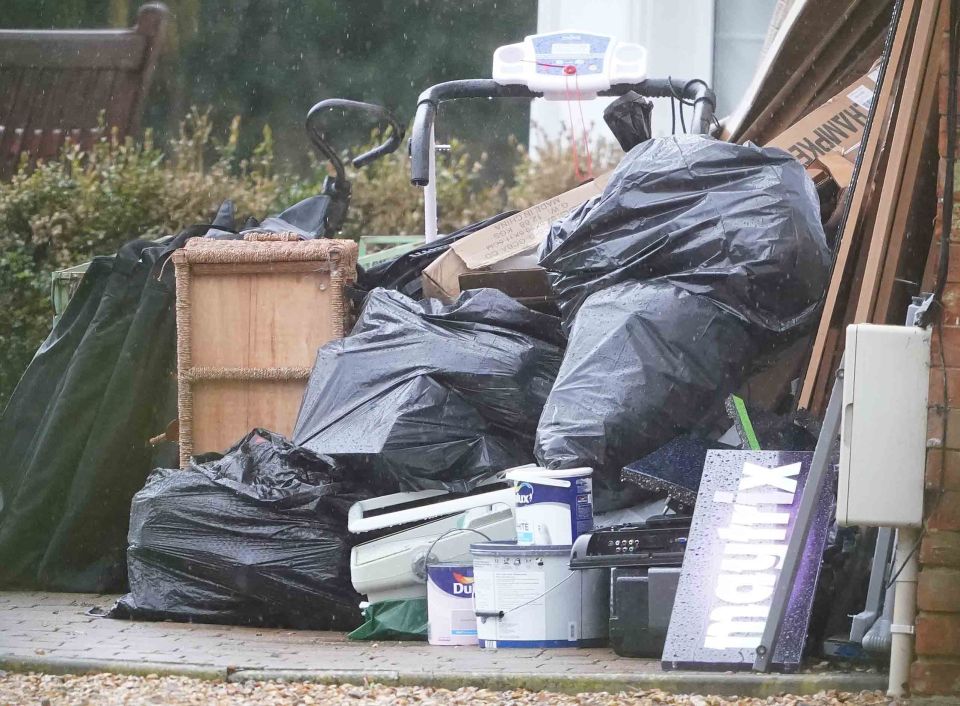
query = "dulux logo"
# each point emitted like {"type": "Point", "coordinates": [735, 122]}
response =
{"type": "Point", "coordinates": [462, 585]}
{"type": "Point", "coordinates": [524, 494]}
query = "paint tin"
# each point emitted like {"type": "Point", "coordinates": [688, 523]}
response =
{"type": "Point", "coordinates": [451, 620]}
{"type": "Point", "coordinates": [553, 507]}
{"type": "Point", "coordinates": [528, 597]}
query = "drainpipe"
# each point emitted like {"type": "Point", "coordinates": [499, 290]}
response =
{"type": "Point", "coordinates": [904, 611]}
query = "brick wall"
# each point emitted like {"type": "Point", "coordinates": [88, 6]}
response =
{"type": "Point", "coordinates": [936, 669]}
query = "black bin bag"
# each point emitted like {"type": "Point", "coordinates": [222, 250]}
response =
{"type": "Point", "coordinates": [628, 118]}
{"type": "Point", "coordinates": [425, 395]}
{"type": "Point", "coordinates": [257, 536]}
{"type": "Point", "coordinates": [699, 258]}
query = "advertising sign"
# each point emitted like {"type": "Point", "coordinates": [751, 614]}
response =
{"type": "Point", "coordinates": [745, 513]}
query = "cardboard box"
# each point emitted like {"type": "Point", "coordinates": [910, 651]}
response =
{"type": "Point", "coordinates": [835, 128]}
{"type": "Point", "coordinates": [495, 246]}
{"type": "Point", "coordinates": [530, 287]}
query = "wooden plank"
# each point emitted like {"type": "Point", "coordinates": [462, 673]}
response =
{"type": "Point", "coordinates": [52, 115]}
{"type": "Point", "coordinates": [50, 144]}
{"type": "Point", "coordinates": [225, 410]}
{"type": "Point", "coordinates": [58, 49]}
{"type": "Point", "coordinates": [9, 85]}
{"type": "Point", "coordinates": [884, 103]}
{"type": "Point", "coordinates": [820, 389]}
{"type": "Point", "coordinates": [16, 107]}
{"type": "Point", "coordinates": [905, 200]}
{"type": "Point", "coordinates": [263, 320]}
{"type": "Point", "coordinates": [766, 75]}
{"type": "Point", "coordinates": [151, 25]}
{"type": "Point", "coordinates": [900, 172]}
{"type": "Point", "coordinates": [123, 94]}
{"type": "Point", "coordinates": [852, 33]}
{"type": "Point", "coordinates": [28, 103]}
{"type": "Point", "coordinates": [853, 68]}
{"type": "Point", "coordinates": [79, 112]}
{"type": "Point", "coordinates": [817, 39]}
{"type": "Point", "coordinates": [44, 106]}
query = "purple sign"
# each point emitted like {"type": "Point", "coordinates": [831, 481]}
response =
{"type": "Point", "coordinates": [746, 510]}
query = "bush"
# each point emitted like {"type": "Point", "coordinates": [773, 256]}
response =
{"type": "Point", "coordinates": [61, 213]}
{"type": "Point", "coordinates": [65, 211]}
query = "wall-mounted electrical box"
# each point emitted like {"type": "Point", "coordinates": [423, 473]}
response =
{"type": "Point", "coordinates": [883, 434]}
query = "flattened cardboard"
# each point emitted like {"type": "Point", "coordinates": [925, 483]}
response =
{"type": "Point", "coordinates": [835, 128]}
{"type": "Point", "coordinates": [505, 239]}
{"type": "Point", "coordinates": [838, 166]}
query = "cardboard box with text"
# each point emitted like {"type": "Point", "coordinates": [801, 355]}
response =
{"type": "Point", "coordinates": [498, 243]}
{"type": "Point", "coordinates": [834, 129]}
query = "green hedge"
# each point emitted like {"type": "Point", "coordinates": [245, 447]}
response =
{"type": "Point", "coordinates": [63, 212]}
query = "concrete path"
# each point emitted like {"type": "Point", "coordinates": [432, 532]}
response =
{"type": "Point", "coordinates": [52, 633]}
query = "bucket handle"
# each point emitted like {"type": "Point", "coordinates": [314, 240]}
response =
{"type": "Point", "coordinates": [426, 558]}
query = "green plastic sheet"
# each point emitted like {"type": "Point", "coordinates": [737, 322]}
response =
{"type": "Point", "coordinates": [393, 620]}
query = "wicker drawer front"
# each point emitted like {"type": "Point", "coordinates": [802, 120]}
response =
{"type": "Point", "coordinates": [250, 317]}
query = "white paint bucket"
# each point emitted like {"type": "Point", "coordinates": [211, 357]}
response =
{"type": "Point", "coordinates": [451, 620]}
{"type": "Point", "coordinates": [552, 507]}
{"type": "Point", "coordinates": [529, 597]}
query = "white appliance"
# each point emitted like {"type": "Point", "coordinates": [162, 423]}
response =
{"type": "Point", "coordinates": [394, 566]}
{"type": "Point", "coordinates": [569, 65]}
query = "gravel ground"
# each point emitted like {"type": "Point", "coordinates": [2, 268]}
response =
{"type": "Point", "coordinates": [113, 689]}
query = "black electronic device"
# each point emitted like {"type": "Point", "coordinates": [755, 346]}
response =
{"type": "Point", "coordinates": [660, 541]}
{"type": "Point", "coordinates": [641, 603]}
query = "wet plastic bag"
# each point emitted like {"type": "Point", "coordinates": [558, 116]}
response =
{"type": "Point", "coordinates": [736, 224]}
{"type": "Point", "coordinates": [628, 118]}
{"type": "Point", "coordinates": [425, 395]}
{"type": "Point", "coordinates": [699, 259]}
{"type": "Point", "coordinates": [257, 536]}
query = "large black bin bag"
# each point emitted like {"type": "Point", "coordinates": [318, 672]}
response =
{"type": "Point", "coordinates": [257, 536]}
{"type": "Point", "coordinates": [426, 395]}
{"type": "Point", "coordinates": [737, 224]}
{"type": "Point", "coordinates": [698, 258]}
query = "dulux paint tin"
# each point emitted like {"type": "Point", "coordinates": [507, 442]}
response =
{"type": "Point", "coordinates": [528, 597]}
{"type": "Point", "coordinates": [552, 507]}
{"type": "Point", "coordinates": [450, 616]}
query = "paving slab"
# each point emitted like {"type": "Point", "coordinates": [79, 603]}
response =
{"type": "Point", "coordinates": [54, 633]}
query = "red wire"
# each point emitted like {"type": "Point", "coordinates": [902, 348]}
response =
{"type": "Point", "coordinates": [569, 95]}
{"type": "Point", "coordinates": [583, 127]}
{"type": "Point", "coordinates": [573, 133]}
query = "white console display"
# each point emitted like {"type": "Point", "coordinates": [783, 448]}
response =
{"type": "Point", "coordinates": [569, 65]}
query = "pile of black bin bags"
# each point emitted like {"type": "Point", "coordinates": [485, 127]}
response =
{"type": "Point", "coordinates": [420, 395]}
{"type": "Point", "coordinates": [699, 259]}
{"type": "Point", "coordinates": [424, 395]}
{"type": "Point", "coordinates": [257, 536]}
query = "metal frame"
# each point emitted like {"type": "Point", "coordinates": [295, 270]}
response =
{"type": "Point", "coordinates": [422, 145]}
